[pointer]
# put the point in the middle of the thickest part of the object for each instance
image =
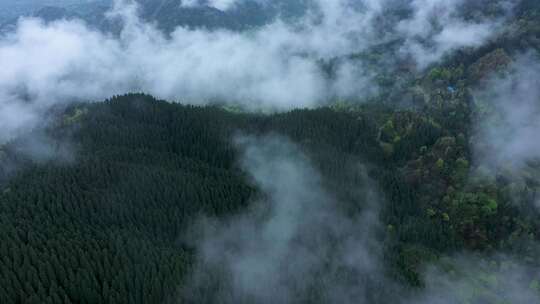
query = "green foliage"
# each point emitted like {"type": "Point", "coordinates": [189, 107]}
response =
{"type": "Point", "coordinates": [482, 280]}
{"type": "Point", "coordinates": [76, 116]}
{"type": "Point", "coordinates": [105, 228]}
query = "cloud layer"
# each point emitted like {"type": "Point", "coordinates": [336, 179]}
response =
{"type": "Point", "coordinates": [274, 67]}
{"type": "Point", "coordinates": [438, 27]}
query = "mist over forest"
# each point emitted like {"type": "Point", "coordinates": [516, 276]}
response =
{"type": "Point", "coordinates": [258, 151]}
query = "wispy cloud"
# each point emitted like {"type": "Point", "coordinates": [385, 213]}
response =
{"type": "Point", "coordinates": [509, 105]}
{"type": "Point", "coordinates": [295, 244]}
{"type": "Point", "coordinates": [219, 4]}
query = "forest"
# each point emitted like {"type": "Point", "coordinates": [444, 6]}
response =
{"type": "Point", "coordinates": [426, 191]}
{"type": "Point", "coordinates": [105, 225]}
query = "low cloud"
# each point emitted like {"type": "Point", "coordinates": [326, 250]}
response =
{"type": "Point", "coordinates": [222, 5]}
{"type": "Point", "coordinates": [476, 279]}
{"type": "Point", "coordinates": [509, 109]}
{"type": "Point", "coordinates": [271, 68]}
{"type": "Point", "coordinates": [438, 27]}
{"type": "Point", "coordinates": [295, 244]}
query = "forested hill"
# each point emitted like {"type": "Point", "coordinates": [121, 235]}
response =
{"type": "Point", "coordinates": [105, 221]}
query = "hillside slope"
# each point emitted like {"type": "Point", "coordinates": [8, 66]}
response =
{"type": "Point", "coordinates": [107, 224]}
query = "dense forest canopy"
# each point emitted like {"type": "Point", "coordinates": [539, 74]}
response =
{"type": "Point", "coordinates": [271, 152]}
